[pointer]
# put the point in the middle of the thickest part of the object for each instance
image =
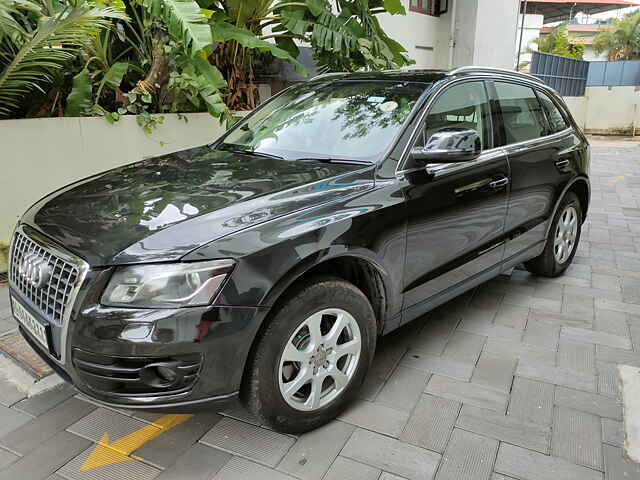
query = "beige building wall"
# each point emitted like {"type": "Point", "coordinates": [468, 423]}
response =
{"type": "Point", "coordinates": [426, 38]}
{"type": "Point", "coordinates": [484, 34]}
{"type": "Point", "coordinates": [607, 110]}
{"type": "Point", "coordinates": [612, 110]}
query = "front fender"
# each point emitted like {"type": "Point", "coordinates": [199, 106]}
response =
{"type": "Point", "coordinates": [271, 256]}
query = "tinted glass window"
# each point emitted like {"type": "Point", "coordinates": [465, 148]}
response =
{"type": "Point", "coordinates": [556, 120]}
{"type": "Point", "coordinates": [354, 120]}
{"type": "Point", "coordinates": [461, 106]}
{"type": "Point", "coordinates": [521, 112]}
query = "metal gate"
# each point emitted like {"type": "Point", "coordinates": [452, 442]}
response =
{"type": "Point", "coordinates": [566, 75]}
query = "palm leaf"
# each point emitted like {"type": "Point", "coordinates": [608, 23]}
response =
{"type": "Point", "coordinates": [11, 28]}
{"type": "Point", "coordinates": [54, 43]}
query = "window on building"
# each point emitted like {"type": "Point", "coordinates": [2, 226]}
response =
{"type": "Point", "coordinates": [427, 7]}
{"type": "Point", "coordinates": [521, 112]}
{"type": "Point", "coordinates": [461, 106]}
{"type": "Point", "coordinates": [556, 120]}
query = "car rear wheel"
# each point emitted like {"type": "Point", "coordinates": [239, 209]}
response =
{"type": "Point", "coordinates": [312, 357]}
{"type": "Point", "coordinates": [562, 239]}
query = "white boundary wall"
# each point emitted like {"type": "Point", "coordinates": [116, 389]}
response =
{"type": "Point", "coordinates": [607, 110]}
{"type": "Point", "coordinates": [40, 155]}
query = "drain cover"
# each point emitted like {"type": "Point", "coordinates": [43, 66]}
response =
{"type": "Point", "coordinates": [17, 348]}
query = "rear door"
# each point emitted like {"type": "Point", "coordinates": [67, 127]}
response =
{"type": "Point", "coordinates": [539, 146]}
{"type": "Point", "coordinates": [456, 212]}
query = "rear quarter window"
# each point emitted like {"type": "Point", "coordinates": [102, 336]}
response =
{"type": "Point", "coordinates": [557, 122]}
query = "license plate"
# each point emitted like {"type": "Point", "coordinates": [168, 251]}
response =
{"type": "Point", "coordinates": [29, 322]}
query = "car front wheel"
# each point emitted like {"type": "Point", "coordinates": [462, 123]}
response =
{"type": "Point", "coordinates": [312, 357]}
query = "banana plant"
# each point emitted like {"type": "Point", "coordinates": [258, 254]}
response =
{"type": "Point", "coordinates": [162, 65]}
{"type": "Point", "coordinates": [33, 51]}
{"type": "Point", "coordinates": [344, 35]}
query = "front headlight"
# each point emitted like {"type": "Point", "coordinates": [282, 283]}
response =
{"type": "Point", "coordinates": [166, 285]}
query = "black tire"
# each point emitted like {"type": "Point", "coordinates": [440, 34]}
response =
{"type": "Point", "coordinates": [261, 390]}
{"type": "Point", "coordinates": [546, 263]}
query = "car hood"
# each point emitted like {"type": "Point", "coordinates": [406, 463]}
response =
{"type": "Point", "coordinates": [161, 208]}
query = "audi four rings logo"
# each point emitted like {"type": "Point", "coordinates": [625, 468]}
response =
{"type": "Point", "coordinates": [34, 270]}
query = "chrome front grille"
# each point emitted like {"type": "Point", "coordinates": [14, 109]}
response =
{"type": "Point", "coordinates": [54, 295]}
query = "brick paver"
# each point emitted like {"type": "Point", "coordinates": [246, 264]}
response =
{"type": "Point", "coordinates": [516, 379]}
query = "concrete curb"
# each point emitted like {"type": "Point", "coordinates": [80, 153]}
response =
{"type": "Point", "coordinates": [630, 387]}
{"type": "Point", "coordinates": [24, 381]}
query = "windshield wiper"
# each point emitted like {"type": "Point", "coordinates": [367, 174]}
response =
{"type": "Point", "coordinates": [246, 151]}
{"type": "Point", "coordinates": [332, 160]}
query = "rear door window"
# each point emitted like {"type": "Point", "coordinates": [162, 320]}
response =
{"type": "Point", "coordinates": [557, 123]}
{"type": "Point", "coordinates": [522, 113]}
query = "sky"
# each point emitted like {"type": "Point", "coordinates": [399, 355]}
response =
{"type": "Point", "coordinates": [610, 14]}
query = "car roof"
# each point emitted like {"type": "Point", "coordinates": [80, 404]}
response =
{"type": "Point", "coordinates": [422, 76]}
{"type": "Point", "coordinates": [425, 75]}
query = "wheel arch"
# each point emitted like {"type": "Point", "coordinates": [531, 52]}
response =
{"type": "Point", "coordinates": [338, 265]}
{"type": "Point", "coordinates": [355, 267]}
{"type": "Point", "coordinates": [582, 188]}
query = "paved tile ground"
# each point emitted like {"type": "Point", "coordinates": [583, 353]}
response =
{"type": "Point", "coordinates": [513, 380]}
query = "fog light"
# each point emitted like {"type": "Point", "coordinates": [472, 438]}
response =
{"type": "Point", "coordinates": [161, 375]}
{"type": "Point", "coordinates": [167, 374]}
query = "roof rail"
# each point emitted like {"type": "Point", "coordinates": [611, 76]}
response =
{"type": "Point", "coordinates": [327, 74]}
{"type": "Point", "coordinates": [493, 70]}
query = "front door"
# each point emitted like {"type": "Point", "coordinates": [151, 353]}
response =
{"type": "Point", "coordinates": [456, 218]}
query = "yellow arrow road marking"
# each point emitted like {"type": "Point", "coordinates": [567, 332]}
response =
{"type": "Point", "coordinates": [118, 451]}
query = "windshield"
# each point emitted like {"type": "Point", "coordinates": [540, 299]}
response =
{"type": "Point", "coordinates": [343, 120]}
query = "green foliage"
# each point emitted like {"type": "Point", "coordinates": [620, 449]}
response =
{"type": "Point", "coordinates": [224, 32]}
{"type": "Point", "coordinates": [184, 22]}
{"type": "Point", "coordinates": [31, 54]}
{"type": "Point", "coordinates": [345, 35]}
{"type": "Point", "coordinates": [394, 7]}
{"type": "Point", "coordinates": [149, 57]}
{"type": "Point", "coordinates": [350, 40]}
{"type": "Point", "coordinates": [622, 42]}
{"type": "Point", "coordinates": [558, 43]}
{"type": "Point", "coordinates": [79, 101]}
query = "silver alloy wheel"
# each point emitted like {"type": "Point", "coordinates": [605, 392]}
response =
{"type": "Point", "coordinates": [319, 359]}
{"type": "Point", "coordinates": [566, 233]}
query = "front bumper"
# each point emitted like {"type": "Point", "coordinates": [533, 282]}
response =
{"type": "Point", "coordinates": [107, 351]}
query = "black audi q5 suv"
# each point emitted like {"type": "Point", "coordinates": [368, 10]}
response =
{"type": "Point", "coordinates": [267, 264]}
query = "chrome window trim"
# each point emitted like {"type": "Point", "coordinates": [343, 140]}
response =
{"type": "Point", "coordinates": [83, 269]}
{"type": "Point", "coordinates": [539, 140]}
{"type": "Point", "coordinates": [444, 169]}
{"type": "Point", "coordinates": [447, 168]}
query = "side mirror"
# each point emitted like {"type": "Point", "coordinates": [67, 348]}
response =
{"type": "Point", "coordinates": [452, 145]}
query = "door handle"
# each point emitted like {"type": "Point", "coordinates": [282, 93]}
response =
{"type": "Point", "coordinates": [501, 182]}
{"type": "Point", "coordinates": [562, 164]}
